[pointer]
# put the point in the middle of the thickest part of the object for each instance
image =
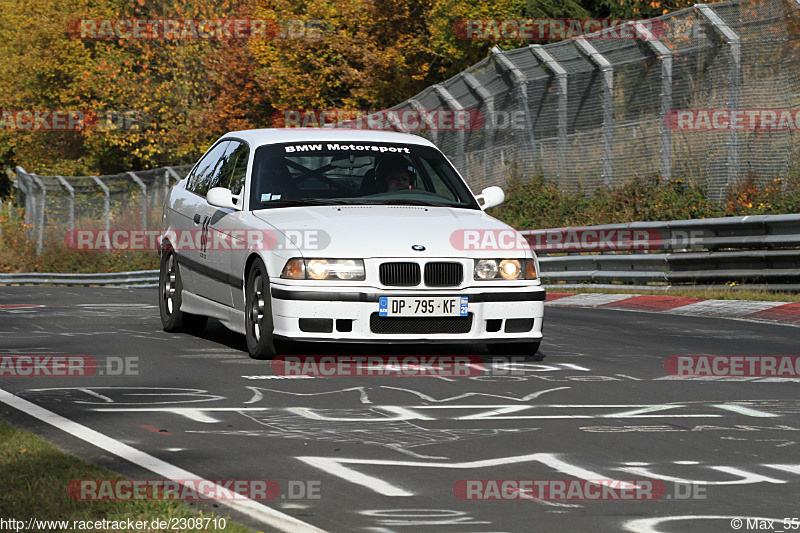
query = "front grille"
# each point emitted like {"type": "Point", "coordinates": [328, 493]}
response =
{"type": "Point", "coordinates": [419, 325]}
{"type": "Point", "coordinates": [399, 274]}
{"type": "Point", "coordinates": [443, 274]}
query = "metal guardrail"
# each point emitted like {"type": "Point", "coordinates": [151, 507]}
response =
{"type": "Point", "coordinates": [758, 251]}
{"type": "Point", "coordinates": [750, 249]}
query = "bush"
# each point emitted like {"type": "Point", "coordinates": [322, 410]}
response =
{"type": "Point", "coordinates": [18, 253]}
{"type": "Point", "coordinates": [535, 204]}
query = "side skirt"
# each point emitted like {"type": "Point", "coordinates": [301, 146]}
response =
{"type": "Point", "coordinates": [232, 319]}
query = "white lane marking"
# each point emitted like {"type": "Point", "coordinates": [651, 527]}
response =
{"type": "Point", "coordinates": [249, 507]}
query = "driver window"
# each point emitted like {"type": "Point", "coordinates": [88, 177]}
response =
{"type": "Point", "coordinates": [234, 167]}
{"type": "Point", "coordinates": [208, 169]}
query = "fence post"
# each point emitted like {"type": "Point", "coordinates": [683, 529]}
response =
{"type": "Point", "coordinates": [607, 70]}
{"type": "Point", "coordinates": [561, 82]}
{"type": "Point", "coordinates": [393, 119]}
{"type": "Point", "coordinates": [40, 212]}
{"type": "Point", "coordinates": [456, 105]}
{"type": "Point", "coordinates": [168, 171]}
{"type": "Point", "coordinates": [734, 43]}
{"type": "Point", "coordinates": [71, 192]}
{"type": "Point", "coordinates": [416, 106]}
{"type": "Point", "coordinates": [521, 83]}
{"type": "Point", "coordinates": [143, 187]}
{"type": "Point", "coordinates": [489, 123]}
{"type": "Point", "coordinates": [25, 186]}
{"type": "Point", "coordinates": [106, 201]}
{"type": "Point", "coordinates": [664, 55]}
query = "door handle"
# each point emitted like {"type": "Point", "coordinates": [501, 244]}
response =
{"type": "Point", "coordinates": [197, 218]}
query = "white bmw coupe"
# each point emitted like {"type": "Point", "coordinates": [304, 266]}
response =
{"type": "Point", "coordinates": [343, 235]}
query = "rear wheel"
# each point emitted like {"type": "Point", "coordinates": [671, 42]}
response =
{"type": "Point", "coordinates": [169, 302]}
{"type": "Point", "coordinates": [258, 313]}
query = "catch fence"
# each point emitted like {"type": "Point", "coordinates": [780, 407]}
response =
{"type": "Point", "coordinates": [590, 112]}
{"type": "Point", "coordinates": [55, 205]}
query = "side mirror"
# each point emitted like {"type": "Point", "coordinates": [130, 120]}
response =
{"type": "Point", "coordinates": [490, 197]}
{"type": "Point", "coordinates": [222, 197]}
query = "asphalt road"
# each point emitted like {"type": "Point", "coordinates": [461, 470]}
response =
{"type": "Point", "coordinates": [384, 454]}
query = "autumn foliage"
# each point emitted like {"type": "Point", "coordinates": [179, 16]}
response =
{"type": "Point", "coordinates": [342, 54]}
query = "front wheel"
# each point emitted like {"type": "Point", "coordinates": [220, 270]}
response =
{"type": "Point", "coordinates": [258, 313]}
{"type": "Point", "coordinates": [170, 289]}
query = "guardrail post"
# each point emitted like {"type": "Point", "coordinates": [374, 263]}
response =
{"type": "Point", "coordinates": [455, 105]}
{"type": "Point", "coordinates": [561, 82]}
{"type": "Point", "coordinates": [71, 193]}
{"type": "Point", "coordinates": [143, 187]}
{"type": "Point", "coordinates": [520, 81]}
{"type": "Point", "coordinates": [607, 70]}
{"type": "Point", "coordinates": [106, 201]}
{"type": "Point", "coordinates": [734, 43]}
{"type": "Point", "coordinates": [664, 56]}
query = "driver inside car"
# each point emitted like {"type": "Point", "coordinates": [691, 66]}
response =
{"type": "Point", "coordinates": [393, 174]}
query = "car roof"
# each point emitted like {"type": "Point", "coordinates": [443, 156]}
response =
{"type": "Point", "coordinates": [264, 136]}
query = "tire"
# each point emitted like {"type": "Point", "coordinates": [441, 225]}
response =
{"type": "Point", "coordinates": [515, 348]}
{"type": "Point", "coordinates": [258, 313]}
{"type": "Point", "coordinates": [169, 299]}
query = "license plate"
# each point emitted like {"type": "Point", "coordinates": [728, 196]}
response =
{"type": "Point", "coordinates": [422, 306]}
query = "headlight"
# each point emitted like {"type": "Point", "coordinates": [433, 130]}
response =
{"type": "Point", "coordinates": [486, 269]}
{"type": "Point", "coordinates": [511, 268]}
{"type": "Point", "coordinates": [508, 269]}
{"type": "Point", "coordinates": [324, 269]}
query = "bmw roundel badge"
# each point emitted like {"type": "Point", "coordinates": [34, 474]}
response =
{"type": "Point", "coordinates": [418, 248]}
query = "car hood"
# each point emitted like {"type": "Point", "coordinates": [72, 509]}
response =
{"type": "Point", "coordinates": [361, 231]}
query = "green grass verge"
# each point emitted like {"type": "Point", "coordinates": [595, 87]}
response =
{"type": "Point", "coordinates": [35, 474]}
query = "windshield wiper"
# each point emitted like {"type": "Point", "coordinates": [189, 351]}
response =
{"type": "Point", "coordinates": [304, 201]}
{"type": "Point", "coordinates": [401, 201]}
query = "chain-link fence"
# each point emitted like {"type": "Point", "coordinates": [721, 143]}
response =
{"type": "Point", "coordinates": [57, 204]}
{"type": "Point", "coordinates": [591, 112]}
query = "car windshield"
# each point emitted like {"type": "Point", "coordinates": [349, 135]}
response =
{"type": "Point", "coordinates": [330, 173]}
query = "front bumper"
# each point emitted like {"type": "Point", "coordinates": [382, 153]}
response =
{"type": "Point", "coordinates": [496, 315]}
